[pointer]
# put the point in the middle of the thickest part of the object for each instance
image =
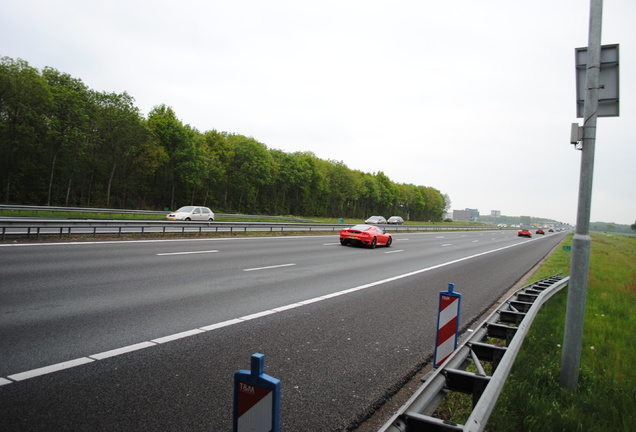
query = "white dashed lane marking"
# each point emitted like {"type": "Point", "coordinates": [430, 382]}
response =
{"type": "Point", "coordinates": [269, 267]}
{"type": "Point", "coordinates": [186, 253]}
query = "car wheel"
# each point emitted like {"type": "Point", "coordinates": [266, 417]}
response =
{"type": "Point", "coordinates": [389, 241]}
{"type": "Point", "coordinates": [343, 242]}
{"type": "Point", "coordinates": [211, 220]}
{"type": "Point", "coordinates": [374, 243]}
{"type": "Point", "coordinates": [187, 219]}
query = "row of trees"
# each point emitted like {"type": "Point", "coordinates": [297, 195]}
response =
{"type": "Point", "coordinates": [62, 143]}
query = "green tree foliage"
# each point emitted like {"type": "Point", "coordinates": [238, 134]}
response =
{"type": "Point", "coordinates": [218, 153]}
{"type": "Point", "coordinates": [25, 101]}
{"type": "Point", "coordinates": [251, 176]}
{"type": "Point", "coordinates": [121, 138]}
{"type": "Point", "coordinates": [67, 131]}
{"type": "Point", "coordinates": [62, 143]}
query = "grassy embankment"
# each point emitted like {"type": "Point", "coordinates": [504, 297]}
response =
{"type": "Point", "coordinates": [605, 400]}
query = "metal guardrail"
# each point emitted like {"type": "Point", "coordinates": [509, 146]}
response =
{"type": "Point", "coordinates": [510, 323]}
{"type": "Point", "coordinates": [69, 210]}
{"type": "Point", "coordinates": [35, 227]}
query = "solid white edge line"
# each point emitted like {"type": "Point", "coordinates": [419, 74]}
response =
{"type": "Point", "coordinates": [221, 324]}
{"type": "Point", "coordinates": [332, 295]}
{"type": "Point", "coordinates": [176, 336]}
{"type": "Point", "coordinates": [49, 369]}
{"type": "Point", "coordinates": [257, 315]}
{"type": "Point", "coordinates": [287, 307]}
{"type": "Point", "coordinates": [119, 351]}
{"type": "Point", "coordinates": [122, 350]}
{"type": "Point", "coordinates": [310, 301]}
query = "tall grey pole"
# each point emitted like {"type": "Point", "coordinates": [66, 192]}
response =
{"type": "Point", "coordinates": [575, 312]}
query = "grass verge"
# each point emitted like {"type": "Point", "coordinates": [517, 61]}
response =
{"type": "Point", "coordinates": [605, 400]}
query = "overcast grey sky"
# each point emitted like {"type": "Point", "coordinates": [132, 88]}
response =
{"type": "Point", "coordinates": [474, 98]}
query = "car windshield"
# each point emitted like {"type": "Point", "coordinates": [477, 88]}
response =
{"type": "Point", "coordinates": [186, 209]}
{"type": "Point", "coordinates": [360, 228]}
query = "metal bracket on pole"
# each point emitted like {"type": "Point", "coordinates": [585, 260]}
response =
{"type": "Point", "coordinates": [576, 136]}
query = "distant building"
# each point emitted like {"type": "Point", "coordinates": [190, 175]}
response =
{"type": "Point", "coordinates": [495, 213]}
{"type": "Point", "coordinates": [466, 215]}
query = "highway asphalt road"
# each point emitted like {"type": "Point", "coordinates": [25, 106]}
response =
{"type": "Point", "coordinates": [146, 335]}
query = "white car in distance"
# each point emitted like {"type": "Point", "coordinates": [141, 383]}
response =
{"type": "Point", "coordinates": [191, 213]}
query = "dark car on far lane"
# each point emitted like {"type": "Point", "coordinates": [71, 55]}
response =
{"type": "Point", "coordinates": [395, 220]}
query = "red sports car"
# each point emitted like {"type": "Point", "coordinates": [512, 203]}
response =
{"type": "Point", "coordinates": [524, 233]}
{"type": "Point", "coordinates": [540, 231]}
{"type": "Point", "coordinates": [365, 235]}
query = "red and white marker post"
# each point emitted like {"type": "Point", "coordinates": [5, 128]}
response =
{"type": "Point", "coordinates": [256, 399]}
{"type": "Point", "coordinates": [447, 324]}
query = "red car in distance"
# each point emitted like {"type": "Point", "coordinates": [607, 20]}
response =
{"type": "Point", "coordinates": [524, 233]}
{"type": "Point", "coordinates": [540, 231]}
{"type": "Point", "coordinates": [365, 235]}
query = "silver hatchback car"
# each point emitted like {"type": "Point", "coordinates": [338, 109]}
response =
{"type": "Point", "coordinates": [193, 213]}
